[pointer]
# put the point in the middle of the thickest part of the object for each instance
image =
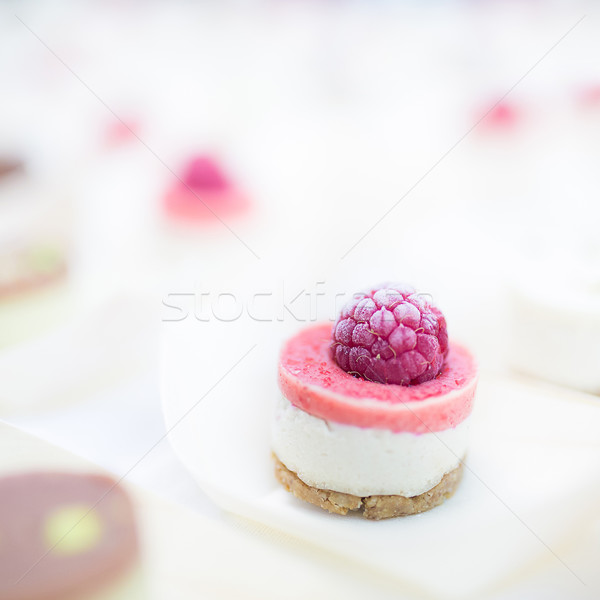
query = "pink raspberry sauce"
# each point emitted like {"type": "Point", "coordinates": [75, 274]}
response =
{"type": "Point", "coordinates": [311, 380]}
{"type": "Point", "coordinates": [203, 193]}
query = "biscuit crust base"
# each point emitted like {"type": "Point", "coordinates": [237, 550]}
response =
{"type": "Point", "coordinates": [372, 507]}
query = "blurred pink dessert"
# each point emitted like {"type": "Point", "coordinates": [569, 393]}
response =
{"type": "Point", "coordinates": [587, 99]}
{"type": "Point", "coordinates": [204, 193]}
{"type": "Point", "coordinates": [374, 412]}
{"type": "Point", "coordinates": [503, 117]}
{"type": "Point", "coordinates": [120, 131]}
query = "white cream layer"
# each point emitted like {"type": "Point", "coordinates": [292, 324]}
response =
{"type": "Point", "coordinates": [364, 461]}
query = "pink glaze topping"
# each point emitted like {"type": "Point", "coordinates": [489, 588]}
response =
{"type": "Point", "coordinates": [311, 381]}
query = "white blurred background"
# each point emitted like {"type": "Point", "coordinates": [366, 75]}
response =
{"type": "Point", "coordinates": [452, 145]}
{"type": "Point", "coordinates": [355, 127]}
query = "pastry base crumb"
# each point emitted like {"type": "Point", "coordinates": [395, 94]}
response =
{"type": "Point", "coordinates": [372, 507]}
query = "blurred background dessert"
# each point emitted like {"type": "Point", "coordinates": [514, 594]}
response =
{"type": "Point", "coordinates": [203, 192]}
{"type": "Point", "coordinates": [67, 535]}
{"type": "Point", "coordinates": [34, 246]}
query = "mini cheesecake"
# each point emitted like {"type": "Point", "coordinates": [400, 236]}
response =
{"type": "Point", "coordinates": [67, 536]}
{"type": "Point", "coordinates": [346, 443]}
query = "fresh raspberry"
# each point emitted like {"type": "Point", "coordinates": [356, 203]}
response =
{"type": "Point", "coordinates": [203, 173]}
{"type": "Point", "coordinates": [391, 334]}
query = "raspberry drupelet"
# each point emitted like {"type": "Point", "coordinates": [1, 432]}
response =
{"type": "Point", "coordinates": [391, 334]}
